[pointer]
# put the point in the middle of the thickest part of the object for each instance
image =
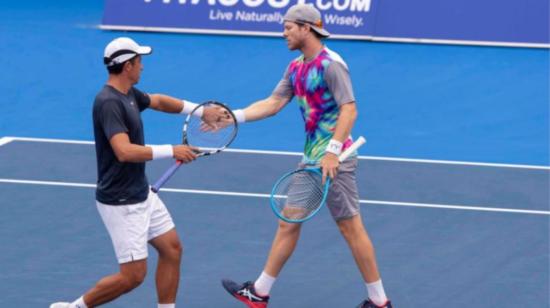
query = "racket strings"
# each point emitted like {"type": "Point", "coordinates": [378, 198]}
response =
{"type": "Point", "coordinates": [210, 137]}
{"type": "Point", "coordinates": [298, 195]}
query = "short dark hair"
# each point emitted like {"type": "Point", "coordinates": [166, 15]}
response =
{"type": "Point", "coordinates": [117, 68]}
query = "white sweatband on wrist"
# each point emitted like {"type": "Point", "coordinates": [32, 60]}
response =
{"type": "Point", "coordinates": [188, 107]}
{"type": "Point", "coordinates": [334, 147]}
{"type": "Point", "coordinates": [162, 151]}
{"type": "Point", "coordinates": [239, 115]}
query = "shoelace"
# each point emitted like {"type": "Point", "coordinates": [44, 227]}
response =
{"type": "Point", "coordinates": [247, 292]}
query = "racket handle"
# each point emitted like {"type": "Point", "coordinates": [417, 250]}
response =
{"type": "Point", "coordinates": [358, 143]}
{"type": "Point", "coordinates": [165, 177]}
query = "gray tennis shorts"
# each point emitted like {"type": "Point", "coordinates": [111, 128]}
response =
{"type": "Point", "coordinates": [343, 197]}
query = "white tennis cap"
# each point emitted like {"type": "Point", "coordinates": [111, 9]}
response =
{"type": "Point", "coordinates": [123, 49]}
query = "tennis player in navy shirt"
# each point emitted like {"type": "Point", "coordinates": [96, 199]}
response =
{"type": "Point", "coordinates": [133, 215]}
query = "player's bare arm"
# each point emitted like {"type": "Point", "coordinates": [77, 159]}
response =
{"type": "Point", "coordinates": [125, 151]}
{"type": "Point", "coordinates": [265, 108]}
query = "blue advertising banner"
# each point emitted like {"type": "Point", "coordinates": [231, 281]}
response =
{"type": "Point", "coordinates": [343, 18]}
{"type": "Point", "coordinates": [497, 21]}
{"type": "Point", "coordinates": [522, 23]}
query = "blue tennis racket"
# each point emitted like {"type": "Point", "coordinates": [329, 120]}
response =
{"type": "Point", "coordinates": [298, 195]}
{"type": "Point", "coordinates": [206, 138]}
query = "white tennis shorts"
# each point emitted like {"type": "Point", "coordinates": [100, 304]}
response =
{"type": "Point", "coordinates": [132, 226]}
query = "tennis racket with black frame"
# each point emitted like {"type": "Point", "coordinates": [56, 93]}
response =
{"type": "Point", "coordinates": [204, 134]}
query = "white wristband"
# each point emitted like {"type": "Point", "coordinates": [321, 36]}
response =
{"type": "Point", "coordinates": [188, 107]}
{"type": "Point", "coordinates": [334, 147]}
{"type": "Point", "coordinates": [162, 151]}
{"type": "Point", "coordinates": [239, 115]}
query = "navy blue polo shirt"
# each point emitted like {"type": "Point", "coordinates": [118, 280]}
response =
{"type": "Point", "coordinates": [119, 183]}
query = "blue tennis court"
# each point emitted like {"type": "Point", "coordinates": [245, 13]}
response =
{"type": "Point", "coordinates": [447, 234]}
{"type": "Point", "coordinates": [454, 179]}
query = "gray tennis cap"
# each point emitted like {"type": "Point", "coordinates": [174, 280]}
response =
{"type": "Point", "coordinates": [306, 14]}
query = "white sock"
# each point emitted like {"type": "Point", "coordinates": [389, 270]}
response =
{"type": "Point", "coordinates": [263, 284]}
{"type": "Point", "coordinates": [376, 292]}
{"type": "Point", "coordinates": [79, 303]}
{"type": "Point", "coordinates": [167, 306]}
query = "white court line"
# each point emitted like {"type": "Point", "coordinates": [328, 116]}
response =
{"type": "Point", "coordinates": [424, 161]}
{"type": "Point", "coordinates": [256, 195]}
{"type": "Point", "coordinates": [5, 140]}
{"type": "Point", "coordinates": [49, 140]}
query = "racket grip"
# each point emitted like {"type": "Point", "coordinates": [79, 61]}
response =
{"type": "Point", "coordinates": [358, 143]}
{"type": "Point", "coordinates": [165, 177]}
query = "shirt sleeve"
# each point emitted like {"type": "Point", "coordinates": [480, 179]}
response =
{"type": "Point", "coordinates": [284, 87]}
{"type": "Point", "coordinates": [111, 119]}
{"type": "Point", "coordinates": [143, 100]}
{"type": "Point", "coordinates": [339, 83]}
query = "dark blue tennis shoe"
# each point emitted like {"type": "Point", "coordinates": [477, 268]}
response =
{"type": "Point", "coordinates": [368, 304]}
{"type": "Point", "coordinates": [245, 293]}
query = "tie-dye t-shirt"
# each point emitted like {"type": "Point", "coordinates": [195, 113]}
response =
{"type": "Point", "coordinates": [321, 85]}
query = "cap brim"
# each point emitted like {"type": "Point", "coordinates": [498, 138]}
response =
{"type": "Point", "coordinates": [321, 31]}
{"type": "Point", "coordinates": [144, 50]}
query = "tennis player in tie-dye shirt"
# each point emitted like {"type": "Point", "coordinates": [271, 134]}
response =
{"type": "Point", "coordinates": [320, 82]}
